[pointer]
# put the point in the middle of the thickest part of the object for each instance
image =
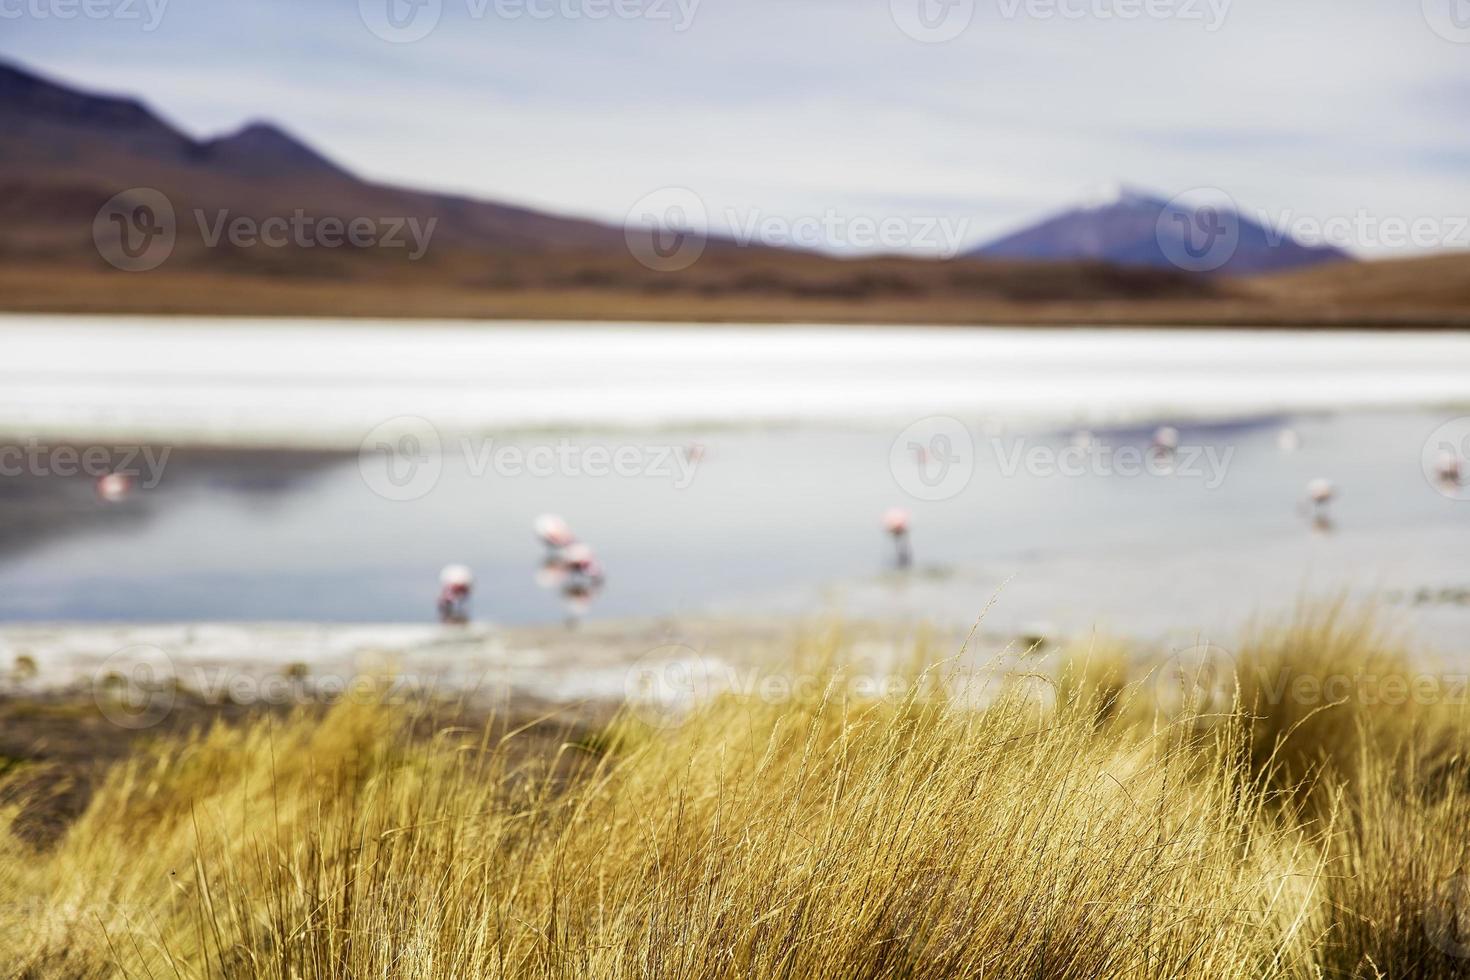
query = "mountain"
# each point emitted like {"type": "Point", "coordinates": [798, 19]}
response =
{"type": "Point", "coordinates": [262, 151]}
{"type": "Point", "coordinates": [67, 152]}
{"type": "Point", "coordinates": [1133, 228]}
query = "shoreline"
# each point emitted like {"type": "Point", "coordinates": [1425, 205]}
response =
{"type": "Point", "coordinates": [545, 664]}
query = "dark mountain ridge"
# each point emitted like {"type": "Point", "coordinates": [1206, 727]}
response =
{"type": "Point", "coordinates": [67, 152]}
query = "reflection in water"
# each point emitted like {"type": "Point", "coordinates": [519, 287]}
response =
{"type": "Point", "coordinates": [45, 500]}
{"type": "Point", "coordinates": [1447, 470]}
{"type": "Point", "coordinates": [578, 590]}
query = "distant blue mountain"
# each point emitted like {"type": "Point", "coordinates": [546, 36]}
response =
{"type": "Point", "coordinates": [1133, 228]}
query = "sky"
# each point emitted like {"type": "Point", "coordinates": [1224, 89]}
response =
{"type": "Point", "coordinates": [952, 121]}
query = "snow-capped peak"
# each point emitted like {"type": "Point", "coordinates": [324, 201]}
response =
{"type": "Point", "coordinates": [1112, 194]}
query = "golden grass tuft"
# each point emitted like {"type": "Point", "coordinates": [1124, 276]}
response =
{"type": "Point", "coordinates": [821, 836]}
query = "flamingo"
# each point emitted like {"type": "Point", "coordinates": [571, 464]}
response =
{"type": "Point", "coordinates": [553, 532]}
{"type": "Point", "coordinates": [558, 538]}
{"type": "Point", "coordinates": [1288, 441]}
{"type": "Point", "coordinates": [113, 487]}
{"type": "Point", "coordinates": [579, 559]}
{"type": "Point", "coordinates": [1320, 492]}
{"type": "Point", "coordinates": [1166, 440]}
{"type": "Point", "coordinates": [896, 523]}
{"type": "Point", "coordinates": [584, 579]}
{"type": "Point", "coordinates": [455, 583]}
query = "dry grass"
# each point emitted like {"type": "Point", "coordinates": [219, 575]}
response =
{"type": "Point", "coordinates": [1080, 834]}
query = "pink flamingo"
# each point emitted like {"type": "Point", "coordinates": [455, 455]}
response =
{"type": "Point", "coordinates": [113, 487]}
{"type": "Point", "coordinates": [584, 579]}
{"type": "Point", "coordinates": [558, 538]}
{"type": "Point", "coordinates": [579, 559]}
{"type": "Point", "coordinates": [896, 523]}
{"type": "Point", "coordinates": [1165, 440]}
{"type": "Point", "coordinates": [455, 583]}
{"type": "Point", "coordinates": [553, 532]}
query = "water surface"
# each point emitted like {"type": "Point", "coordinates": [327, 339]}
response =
{"type": "Point", "coordinates": [785, 440]}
